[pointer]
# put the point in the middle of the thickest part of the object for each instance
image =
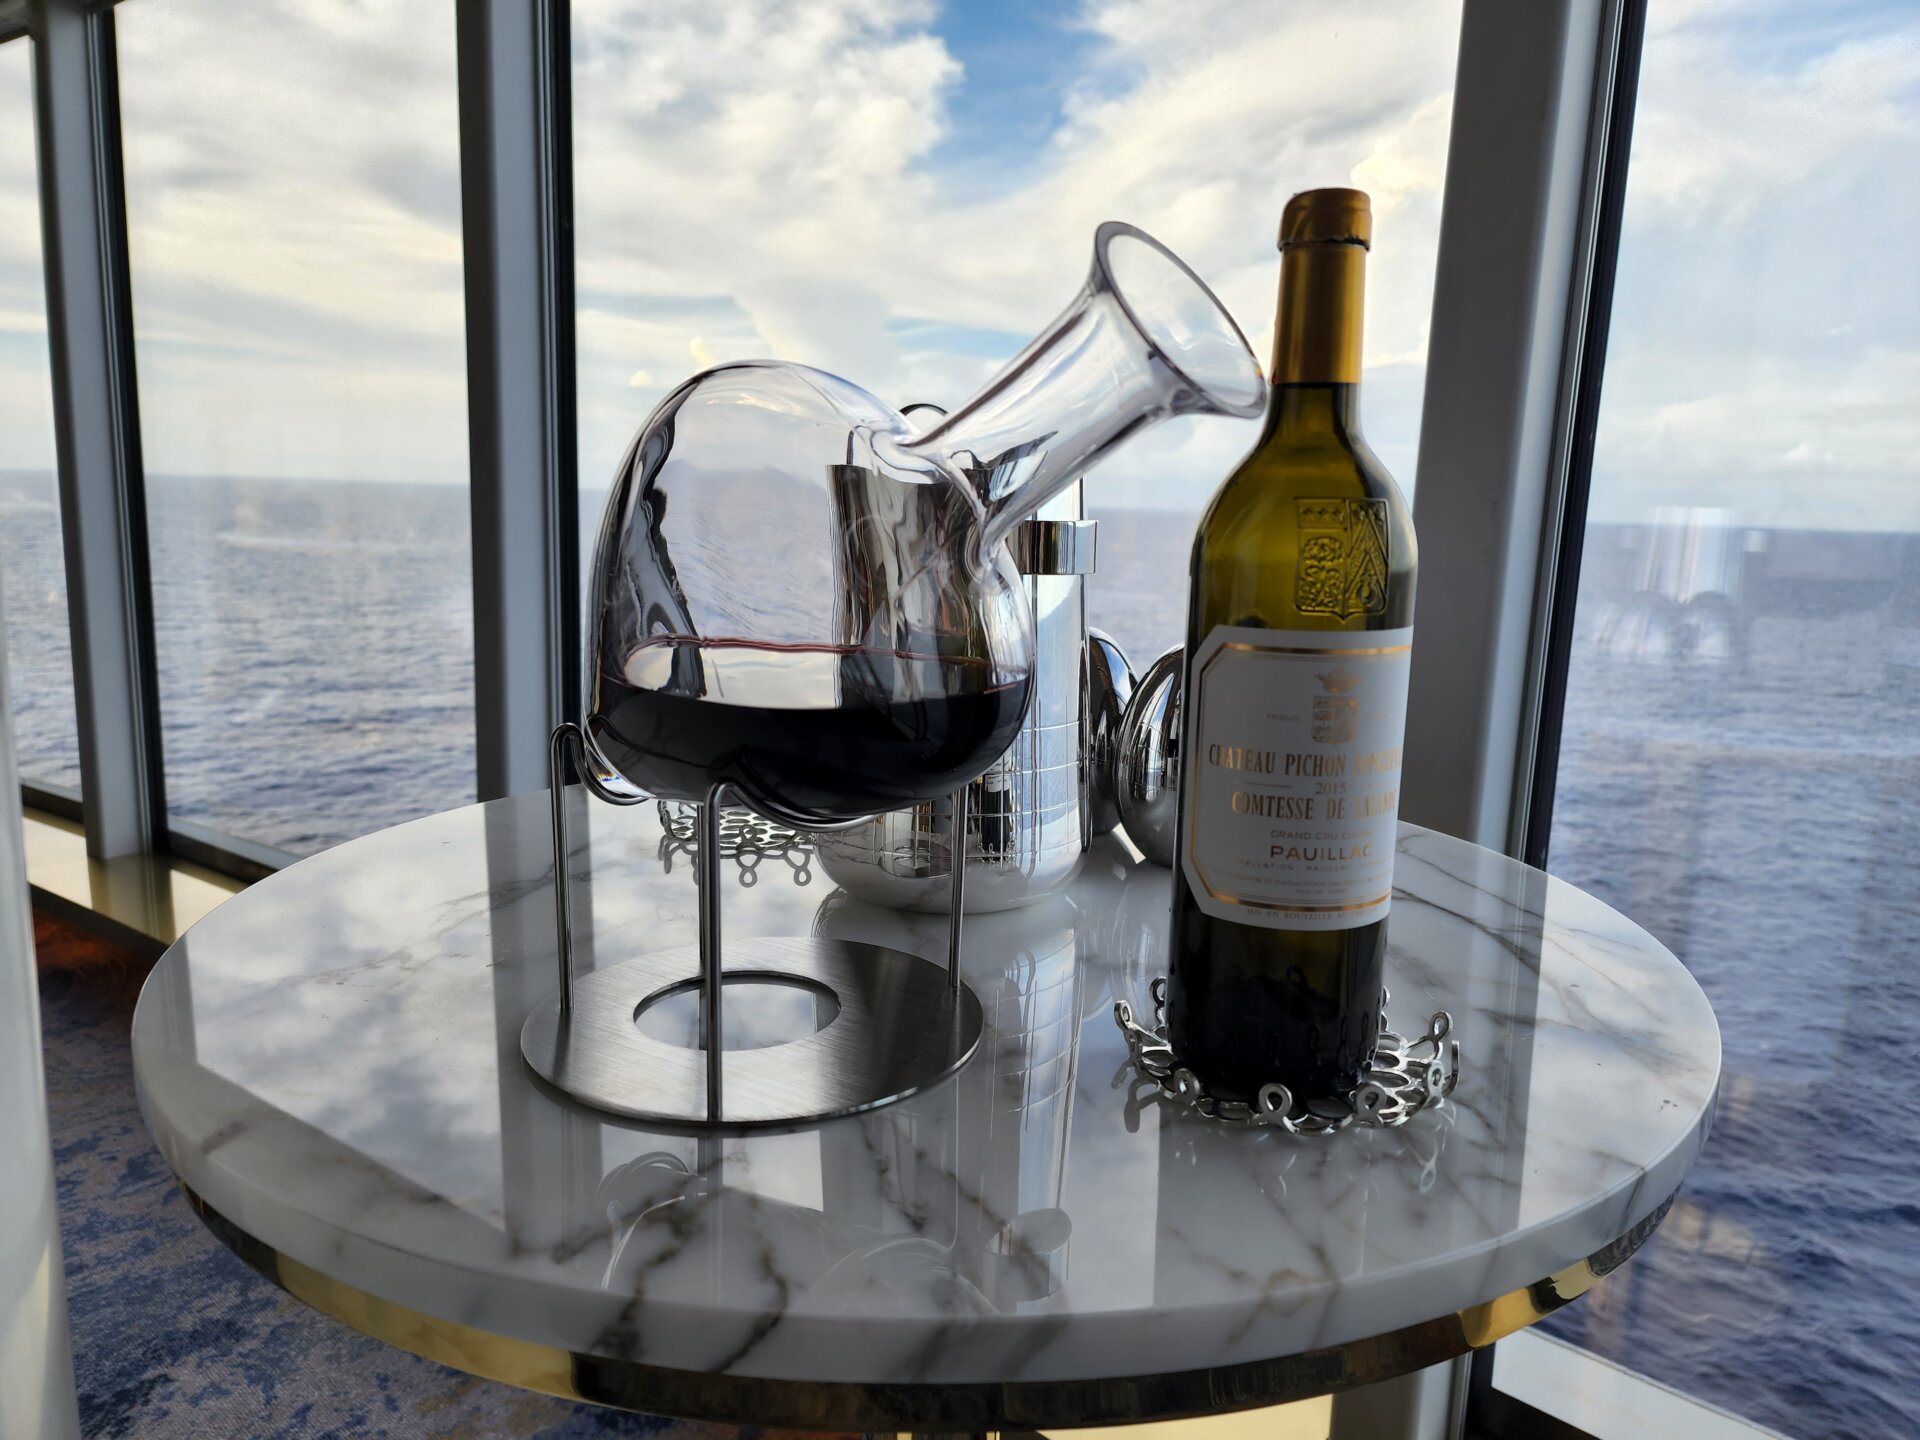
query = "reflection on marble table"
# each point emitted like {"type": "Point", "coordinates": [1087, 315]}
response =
{"type": "Point", "coordinates": [331, 1061]}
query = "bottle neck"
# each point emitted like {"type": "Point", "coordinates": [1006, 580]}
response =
{"type": "Point", "coordinates": [1316, 331]}
{"type": "Point", "coordinates": [1305, 409]}
{"type": "Point", "coordinates": [1316, 339]}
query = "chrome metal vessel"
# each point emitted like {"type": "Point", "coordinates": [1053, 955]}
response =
{"type": "Point", "coordinates": [1146, 775]}
{"type": "Point", "coordinates": [1033, 813]}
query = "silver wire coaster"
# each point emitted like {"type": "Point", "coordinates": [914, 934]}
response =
{"type": "Point", "coordinates": [1406, 1077]}
{"type": "Point", "coordinates": [745, 838]}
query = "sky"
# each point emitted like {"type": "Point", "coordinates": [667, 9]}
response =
{"type": "Point", "coordinates": [1765, 351]}
{"type": "Point", "coordinates": [26, 422]}
{"type": "Point", "coordinates": [903, 192]}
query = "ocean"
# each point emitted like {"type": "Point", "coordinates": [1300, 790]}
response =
{"type": "Point", "coordinates": [1740, 773]}
{"type": "Point", "coordinates": [314, 642]}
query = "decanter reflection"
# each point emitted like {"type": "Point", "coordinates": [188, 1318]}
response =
{"type": "Point", "coordinates": [801, 596]}
{"type": "Point", "coordinates": [953, 1199]}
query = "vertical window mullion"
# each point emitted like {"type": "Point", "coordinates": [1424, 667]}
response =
{"type": "Point", "coordinates": [515, 170]}
{"type": "Point", "coordinates": [1566, 540]}
{"type": "Point", "coordinates": [97, 427]}
{"type": "Point", "coordinates": [563, 492]}
{"type": "Point", "coordinates": [1514, 226]}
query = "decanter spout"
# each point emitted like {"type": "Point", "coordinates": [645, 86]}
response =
{"type": "Point", "coordinates": [1145, 339]}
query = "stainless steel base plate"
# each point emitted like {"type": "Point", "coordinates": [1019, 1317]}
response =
{"type": "Point", "coordinates": [901, 1026]}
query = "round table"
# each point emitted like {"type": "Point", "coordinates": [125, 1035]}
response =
{"type": "Point", "coordinates": [331, 1063]}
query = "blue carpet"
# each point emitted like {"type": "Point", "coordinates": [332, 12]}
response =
{"type": "Point", "coordinates": [173, 1337]}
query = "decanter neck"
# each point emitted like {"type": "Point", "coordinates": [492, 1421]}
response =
{"type": "Point", "coordinates": [1098, 375]}
{"type": "Point", "coordinates": [1055, 411]}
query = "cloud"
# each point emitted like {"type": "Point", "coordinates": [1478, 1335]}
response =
{"type": "Point", "coordinates": [750, 180]}
{"type": "Point", "coordinates": [801, 180]}
{"type": "Point", "coordinates": [1762, 442]}
{"type": "Point", "coordinates": [294, 227]}
{"type": "Point", "coordinates": [846, 248]}
{"type": "Point", "coordinates": [1765, 345]}
{"type": "Point", "coordinates": [20, 235]}
{"type": "Point", "coordinates": [26, 416]}
{"type": "Point", "coordinates": [1717, 144]}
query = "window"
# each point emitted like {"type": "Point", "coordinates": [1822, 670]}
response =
{"type": "Point", "coordinates": [905, 195]}
{"type": "Point", "coordinates": [293, 196]}
{"type": "Point", "coordinates": [1740, 765]}
{"type": "Point", "coordinates": [904, 192]}
{"type": "Point", "coordinates": [32, 564]}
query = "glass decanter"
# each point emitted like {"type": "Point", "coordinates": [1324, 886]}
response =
{"type": "Point", "coordinates": [803, 604]}
{"type": "Point", "coordinates": [800, 595]}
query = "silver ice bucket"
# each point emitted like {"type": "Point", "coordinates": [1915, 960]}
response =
{"type": "Point", "coordinates": [1032, 815]}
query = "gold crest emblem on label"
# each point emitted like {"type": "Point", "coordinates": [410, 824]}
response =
{"type": "Point", "coordinates": [1343, 557]}
{"type": "Point", "coordinates": [1336, 713]}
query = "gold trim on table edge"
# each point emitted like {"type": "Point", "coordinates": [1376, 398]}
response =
{"type": "Point", "coordinates": [978, 1406]}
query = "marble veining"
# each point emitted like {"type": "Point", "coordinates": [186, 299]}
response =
{"type": "Point", "coordinates": [332, 1060]}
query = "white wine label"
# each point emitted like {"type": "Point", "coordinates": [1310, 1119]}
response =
{"type": "Point", "coordinates": [1290, 774]}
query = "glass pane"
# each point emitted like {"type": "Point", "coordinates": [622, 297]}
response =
{"type": "Point", "coordinates": [1741, 761]}
{"type": "Point", "coordinates": [904, 194]}
{"type": "Point", "coordinates": [294, 220]}
{"type": "Point", "coordinates": [33, 567]}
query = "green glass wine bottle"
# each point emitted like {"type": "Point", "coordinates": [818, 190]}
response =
{"type": "Point", "coordinates": [1299, 637]}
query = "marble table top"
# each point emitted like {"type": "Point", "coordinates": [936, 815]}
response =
{"type": "Point", "coordinates": [331, 1062]}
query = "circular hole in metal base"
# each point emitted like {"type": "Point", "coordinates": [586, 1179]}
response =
{"type": "Point", "coordinates": [902, 1026]}
{"type": "Point", "coordinates": [756, 1010]}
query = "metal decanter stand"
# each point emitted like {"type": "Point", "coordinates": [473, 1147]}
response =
{"type": "Point", "coordinates": [901, 1025]}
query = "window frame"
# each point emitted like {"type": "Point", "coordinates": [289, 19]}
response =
{"type": "Point", "coordinates": [1609, 151]}
{"type": "Point", "coordinates": [515, 66]}
{"type": "Point", "coordinates": [52, 799]}
{"type": "Point", "coordinates": [1505, 453]}
{"type": "Point", "coordinates": [96, 414]}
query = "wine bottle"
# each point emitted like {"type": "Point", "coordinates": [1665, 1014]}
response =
{"type": "Point", "coordinates": [1299, 637]}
